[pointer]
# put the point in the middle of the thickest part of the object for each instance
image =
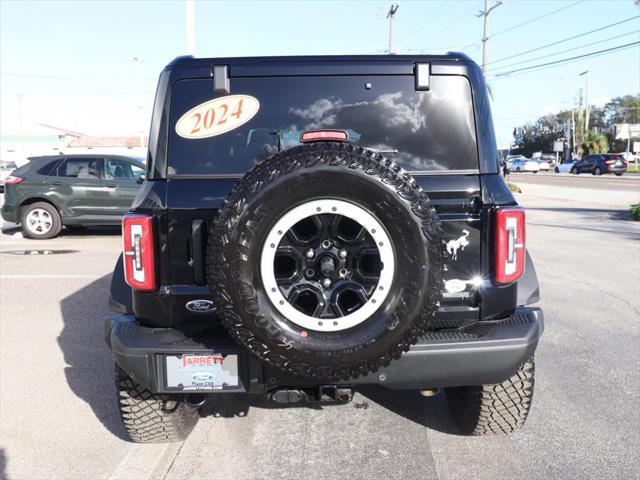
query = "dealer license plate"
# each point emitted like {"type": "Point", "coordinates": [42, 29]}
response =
{"type": "Point", "coordinates": [197, 371]}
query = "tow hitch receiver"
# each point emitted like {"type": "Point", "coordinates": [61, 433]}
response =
{"type": "Point", "coordinates": [322, 394]}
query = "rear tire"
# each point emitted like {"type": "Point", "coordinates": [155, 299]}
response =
{"type": "Point", "coordinates": [575, 171]}
{"type": "Point", "coordinates": [618, 174]}
{"type": "Point", "coordinates": [493, 409]}
{"type": "Point", "coordinates": [152, 418]}
{"type": "Point", "coordinates": [597, 171]}
{"type": "Point", "coordinates": [40, 221]}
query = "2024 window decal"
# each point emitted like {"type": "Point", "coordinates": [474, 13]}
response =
{"type": "Point", "coordinates": [217, 116]}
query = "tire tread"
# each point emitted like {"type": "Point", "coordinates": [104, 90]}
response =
{"type": "Point", "coordinates": [496, 408]}
{"type": "Point", "coordinates": [149, 417]}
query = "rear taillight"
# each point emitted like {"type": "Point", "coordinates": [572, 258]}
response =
{"type": "Point", "coordinates": [11, 180]}
{"type": "Point", "coordinates": [609, 162]}
{"type": "Point", "coordinates": [510, 244]}
{"type": "Point", "coordinates": [139, 265]}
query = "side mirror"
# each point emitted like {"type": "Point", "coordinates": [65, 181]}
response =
{"type": "Point", "coordinates": [141, 178]}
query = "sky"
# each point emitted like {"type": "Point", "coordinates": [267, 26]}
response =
{"type": "Point", "coordinates": [69, 63]}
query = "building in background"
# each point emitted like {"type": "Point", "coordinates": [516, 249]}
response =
{"type": "Point", "coordinates": [18, 148]}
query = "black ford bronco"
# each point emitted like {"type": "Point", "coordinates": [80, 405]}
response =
{"type": "Point", "coordinates": [309, 225]}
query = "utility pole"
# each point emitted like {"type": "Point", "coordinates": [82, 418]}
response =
{"type": "Point", "coordinates": [392, 11]}
{"type": "Point", "coordinates": [485, 13]}
{"type": "Point", "coordinates": [189, 27]}
{"type": "Point", "coordinates": [586, 101]}
{"type": "Point", "coordinates": [20, 125]}
{"type": "Point", "coordinates": [138, 61]}
{"type": "Point", "coordinates": [573, 132]}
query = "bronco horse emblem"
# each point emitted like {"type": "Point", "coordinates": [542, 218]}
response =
{"type": "Point", "coordinates": [458, 243]}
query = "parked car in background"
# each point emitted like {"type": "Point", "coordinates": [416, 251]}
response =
{"type": "Point", "coordinates": [50, 192]}
{"type": "Point", "coordinates": [544, 165]}
{"type": "Point", "coordinates": [510, 158]}
{"type": "Point", "coordinates": [5, 170]}
{"type": "Point", "coordinates": [564, 167]}
{"type": "Point", "coordinates": [525, 165]}
{"type": "Point", "coordinates": [601, 163]}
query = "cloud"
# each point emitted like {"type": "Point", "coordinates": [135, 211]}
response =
{"type": "Point", "coordinates": [419, 125]}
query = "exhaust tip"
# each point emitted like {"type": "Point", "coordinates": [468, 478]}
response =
{"type": "Point", "coordinates": [429, 392]}
{"type": "Point", "coordinates": [195, 400]}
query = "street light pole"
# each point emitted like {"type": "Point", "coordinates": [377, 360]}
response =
{"type": "Point", "coordinates": [485, 13]}
{"type": "Point", "coordinates": [586, 101]}
{"type": "Point", "coordinates": [392, 11]}
{"type": "Point", "coordinates": [189, 27]}
{"type": "Point", "coordinates": [138, 61]}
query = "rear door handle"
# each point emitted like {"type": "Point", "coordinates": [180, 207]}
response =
{"type": "Point", "coordinates": [56, 183]}
{"type": "Point", "coordinates": [111, 185]}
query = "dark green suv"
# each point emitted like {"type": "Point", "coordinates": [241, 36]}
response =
{"type": "Point", "coordinates": [70, 190]}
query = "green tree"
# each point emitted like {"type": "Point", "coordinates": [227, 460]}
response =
{"type": "Point", "coordinates": [595, 143]}
{"type": "Point", "coordinates": [539, 135]}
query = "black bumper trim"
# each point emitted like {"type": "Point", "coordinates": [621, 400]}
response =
{"type": "Point", "coordinates": [485, 353]}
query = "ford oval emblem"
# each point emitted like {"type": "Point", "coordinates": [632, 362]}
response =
{"type": "Point", "coordinates": [200, 306]}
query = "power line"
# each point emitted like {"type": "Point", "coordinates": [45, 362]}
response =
{"type": "Point", "coordinates": [433, 19]}
{"type": "Point", "coordinates": [548, 14]}
{"type": "Point", "coordinates": [564, 51]}
{"type": "Point", "coordinates": [456, 20]}
{"type": "Point", "coordinates": [60, 77]}
{"type": "Point", "coordinates": [563, 40]}
{"type": "Point", "coordinates": [416, 26]}
{"type": "Point", "coordinates": [567, 60]}
{"type": "Point", "coordinates": [71, 94]}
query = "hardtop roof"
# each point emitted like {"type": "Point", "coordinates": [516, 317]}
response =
{"type": "Point", "coordinates": [450, 56]}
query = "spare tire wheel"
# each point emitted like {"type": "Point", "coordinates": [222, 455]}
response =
{"type": "Point", "coordinates": [326, 261]}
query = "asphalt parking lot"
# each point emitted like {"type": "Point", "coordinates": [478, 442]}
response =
{"type": "Point", "coordinates": [59, 419]}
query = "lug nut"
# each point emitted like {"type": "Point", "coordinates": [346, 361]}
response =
{"type": "Point", "coordinates": [310, 253]}
{"type": "Point", "coordinates": [326, 244]}
{"type": "Point", "coordinates": [343, 272]}
{"type": "Point", "coordinates": [343, 254]}
{"type": "Point", "coordinates": [326, 283]}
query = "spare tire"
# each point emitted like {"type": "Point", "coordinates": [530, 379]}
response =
{"type": "Point", "coordinates": [326, 261]}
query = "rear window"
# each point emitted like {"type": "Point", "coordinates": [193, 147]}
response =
{"type": "Point", "coordinates": [420, 130]}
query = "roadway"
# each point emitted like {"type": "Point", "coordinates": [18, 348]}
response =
{"type": "Point", "coordinates": [604, 191]}
{"type": "Point", "coordinates": [626, 183]}
{"type": "Point", "coordinates": [57, 401]}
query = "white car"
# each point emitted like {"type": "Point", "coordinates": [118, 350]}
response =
{"type": "Point", "coordinates": [5, 170]}
{"type": "Point", "coordinates": [564, 167]}
{"type": "Point", "coordinates": [525, 165]}
{"type": "Point", "coordinates": [544, 165]}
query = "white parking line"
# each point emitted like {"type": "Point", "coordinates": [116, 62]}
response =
{"type": "Point", "coordinates": [50, 276]}
{"type": "Point", "coordinates": [144, 462]}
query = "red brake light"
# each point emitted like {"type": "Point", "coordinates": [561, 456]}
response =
{"type": "Point", "coordinates": [510, 244]}
{"type": "Point", "coordinates": [11, 180]}
{"type": "Point", "coordinates": [324, 135]}
{"type": "Point", "coordinates": [139, 265]}
{"type": "Point", "coordinates": [609, 162]}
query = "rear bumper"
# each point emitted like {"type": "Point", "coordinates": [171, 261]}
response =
{"type": "Point", "coordinates": [9, 213]}
{"type": "Point", "coordinates": [486, 353]}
